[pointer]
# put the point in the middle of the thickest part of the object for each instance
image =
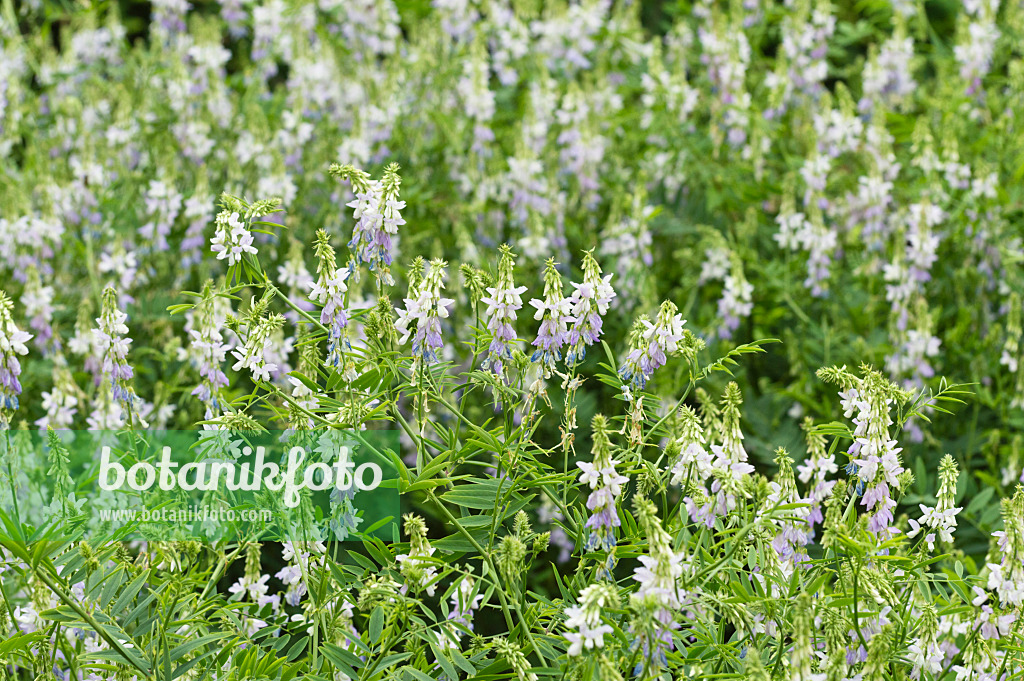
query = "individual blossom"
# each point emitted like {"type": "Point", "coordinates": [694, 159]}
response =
{"type": "Point", "coordinates": [503, 301]}
{"type": "Point", "coordinates": [422, 315]}
{"type": "Point", "coordinates": [12, 344]}
{"type": "Point", "coordinates": [605, 484]}
{"type": "Point", "coordinates": [329, 291]}
{"type": "Point", "coordinates": [553, 314]}
{"type": "Point", "coordinates": [587, 305]}
{"type": "Point", "coordinates": [585, 618]}
{"type": "Point", "coordinates": [650, 346]}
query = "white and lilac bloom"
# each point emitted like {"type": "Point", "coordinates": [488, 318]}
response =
{"type": "Point", "coordinates": [12, 344]}
{"type": "Point", "coordinates": [553, 313]}
{"type": "Point", "coordinates": [605, 484]}
{"type": "Point", "coordinates": [422, 315]}
{"type": "Point", "coordinates": [587, 305]}
{"type": "Point", "coordinates": [651, 347]}
{"type": "Point", "coordinates": [112, 345]}
{"type": "Point", "coordinates": [377, 211]}
{"type": "Point", "coordinates": [232, 240]}
{"type": "Point", "coordinates": [503, 301]}
{"type": "Point", "coordinates": [329, 291]}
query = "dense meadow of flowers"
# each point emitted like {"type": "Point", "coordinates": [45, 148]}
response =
{"type": "Point", "coordinates": [555, 246]}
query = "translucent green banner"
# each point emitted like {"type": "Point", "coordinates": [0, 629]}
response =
{"type": "Point", "coordinates": [208, 485]}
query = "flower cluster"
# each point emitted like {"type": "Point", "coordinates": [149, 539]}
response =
{"type": "Point", "coordinates": [12, 344]}
{"type": "Point", "coordinates": [651, 345]}
{"type": "Point", "coordinates": [605, 483]}
{"type": "Point", "coordinates": [587, 305]}
{"type": "Point", "coordinates": [421, 317]}
{"type": "Point", "coordinates": [112, 343]}
{"type": "Point", "coordinates": [553, 314]}
{"type": "Point", "coordinates": [329, 291]}
{"type": "Point", "coordinates": [503, 301]}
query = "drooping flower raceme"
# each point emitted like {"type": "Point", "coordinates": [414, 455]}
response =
{"type": "Point", "coordinates": [113, 347]}
{"type": "Point", "coordinates": [585, 618]}
{"type": "Point", "coordinates": [874, 457]}
{"type": "Point", "coordinates": [232, 240]}
{"type": "Point", "coordinates": [208, 351]}
{"type": "Point", "coordinates": [606, 484]}
{"type": "Point", "coordinates": [417, 566]}
{"type": "Point", "coordinates": [657, 597]}
{"type": "Point", "coordinates": [939, 519]}
{"type": "Point", "coordinates": [651, 347]}
{"type": "Point", "coordinates": [12, 344]}
{"type": "Point", "coordinates": [329, 291]}
{"type": "Point", "coordinates": [587, 305]}
{"type": "Point", "coordinates": [503, 301]}
{"type": "Point", "coordinates": [553, 314]}
{"type": "Point", "coordinates": [422, 315]}
{"type": "Point", "coordinates": [377, 211]}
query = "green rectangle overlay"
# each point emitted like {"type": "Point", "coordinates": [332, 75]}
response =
{"type": "Point", "coordinates": [209, 485]}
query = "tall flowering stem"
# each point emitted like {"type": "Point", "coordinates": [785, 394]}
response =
{"type": "Point", "coordinates": [503, 301]}
{"type": "Point", "coordinates": [939, 520]}
{"type": "Point", "coordinates": [209, 350]}
{"type": "Point", "coordinates": [377, 210]}
{"type": "Point", "coordinates": [605, 484]}
{"type": "Point", "coordinates": [12, 344]}
{"type": "Point", "coordinates": [329, 291]}
{"type": "Point", "coordinates": [113, 346]}
{"type": "Point", "coordinates": [588, 303]}
{"type": "Point", "coordinates": [650, 347]}
{"type": "Point", "coordinates": [874, 456]}
{"type": "Point", "coordinates": [553, 314]}
{"type": "Point", "coordinates": [657, 598]}
{"type": "Point", "coordinates": [421, 317]}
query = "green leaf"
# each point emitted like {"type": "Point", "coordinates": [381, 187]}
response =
{"type": "Point", "coordinates": [479, 495]}
{"type": "Point", "coordinates": [376, 623]}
